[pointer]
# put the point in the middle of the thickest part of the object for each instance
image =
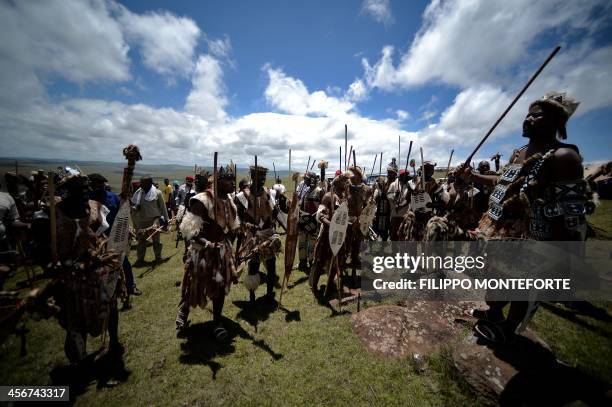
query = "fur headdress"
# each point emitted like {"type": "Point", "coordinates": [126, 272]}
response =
{"type": "Point", "coordinates": [563, 105]}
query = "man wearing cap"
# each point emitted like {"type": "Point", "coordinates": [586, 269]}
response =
{"type": "Point", "coordinates": [309, 198]}
{"type": "Point", "coordinates": [111, 201]}
{"type": "Point", "coordinates": [540, 195]}
{"type": "Point", "coordinates": [262, 243]}
{"type": "Point", "coordinates": [185, 190]}
{"type": "Point", "coordinates": [148, 213]}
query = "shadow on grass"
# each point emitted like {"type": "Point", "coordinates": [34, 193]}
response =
{"type": "Point", "coordinates": [297, 282]}
{"type": "Point", "coordinates": [543, 380]}
{"type": "Point", "coordinates": [104, 368]}
{"type": "Point", "coordinates": [153, 265]}
{"type": "Point", "coordinates": [201, 347]}
{"type": "Point", "coordinates": [588, 310]}
{"type": "Point", "coordinates": [254, 313]}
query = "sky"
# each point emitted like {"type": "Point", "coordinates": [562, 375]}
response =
{"type": "Point", "coordinates": [182, 79]}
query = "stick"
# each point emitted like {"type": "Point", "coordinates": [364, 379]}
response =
{"type": "Point", "coordinates": [380, 165]}
{"type": "Point", "coordinates": [449, 163]}
{"type": "Point", "coordinates": [354, 159]}
{"type": "Point", "coordinates": [408, 156]}
{"type": "Point", "coordinates": [535, 75]}
{"type": "Point", "coordinates": [373, 165]}
{"type": "Point", "coordinates": [308, 165]}
{"type": "Point", "coordinates": [422, 170]}
{"type": "Point", "coordinates": [274, 167]}
{"type": "Point", "coordinates": [216, 185]}
{"type": "Point", "coordinates": [313, 164]}
{"type": "Point", "coordinates": [53, 218]}
{"type": "Point", "coordinates": [349, 156]}
{"type": "Point", "coordinates": [345, 144]}
{"type": "Point", "coordinates": [256, 190]}
{"type": "Point", "coordinates": [340, 160]}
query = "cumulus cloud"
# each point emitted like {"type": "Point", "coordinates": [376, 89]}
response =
{"type": "Point", "coordinates": [75, 40]}
{"type": "Point", "coordinates": [380, 10]}
{"type": "Point", "coordinates": [290, 95]}
{"type": "Point", "coordinates": [466, 43]}
{"type": "Point", "coordinates": [207, 97]}
{"type": "Point", "coordinates": [166, 42]}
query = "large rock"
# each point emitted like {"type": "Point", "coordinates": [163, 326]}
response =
{"type": "Point", "coordinates": [419, 327]}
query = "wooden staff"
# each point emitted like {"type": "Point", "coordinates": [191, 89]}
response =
{"type": "Point", "coordinates": [274, 167]}
{"type": "Point", "coordinates": [340, 158]}
{"type": "Point", "coordinates": [422, 171]}
{"type": "Point", "coordinates": [380, 165]}
{"type": "Point", "coordinates": [373, 165]}
{"type": "Point", "coordinates": [535, 75]}
{"type": "Point", "coordinates": [345, 144]}
{"type": "Point", "coordinates": [308, 164]}
{"type": "Point", "coordinates": [408, 156]}
{"type": "Point", "coordinates": [313, 164]}
{"type": "Point", "coordinates": [215, 185]}
{"type": "Point", "coordinates": [399, 148]}
{"type": "Point", "coordinates": [52, 218]}
{"type": "Point", "coordinates": [354, 159]}
{"type": "Point", "coordinates": [349, 157]}
{"type": "Point", "coordinates": [449, 163]}
{"type": "Point", "coordinates": [256, 181]}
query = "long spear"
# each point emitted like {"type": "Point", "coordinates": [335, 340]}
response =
{"type": "Point", "coordinates": [308, 165]}
{"type": "Point", "coordinates": [349, 157]}
{"type": "Point", "coordinates": [313, 164]}
{"type": "Point", "coordinates": [274, 167]}
{"type": "Point", "coordinates": [535, 75]}
{"type": "Point", "coordinates": [354, 159]}
{"type": "Point", "coordinates": [380, 165]}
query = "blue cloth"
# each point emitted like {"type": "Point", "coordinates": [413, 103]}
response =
{"type": "Point", "coordinates": [112, 202]}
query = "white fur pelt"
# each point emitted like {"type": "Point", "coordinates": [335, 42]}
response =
{"type": "Point", "coordinates": [191, 225]}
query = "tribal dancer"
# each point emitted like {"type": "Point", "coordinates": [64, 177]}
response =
{"type": "Point", "coordinates": [309, 198]}
{"type": "Point", "coordinates": [540, 195]}
{"type": "Point", "coordinates": [358, 196]}
{"type": "Point", "coordinates": [209, 228]}
{"type": "Point", "coordinates": [399, 200]}
{"type": "Point", "coordinates": [262, 243]}
{"type": "Point", "coordinates": [88, 279]}
{"type": "Point", "coordinates": [322, 252]}
{"type": "Point", "coordinates": [382, 199]}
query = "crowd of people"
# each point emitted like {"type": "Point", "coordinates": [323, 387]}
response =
{"type": "Point", "coordinates": [228, 233]}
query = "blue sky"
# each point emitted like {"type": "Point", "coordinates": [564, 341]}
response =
{"type": "Point", "coordinates": [184, 79]}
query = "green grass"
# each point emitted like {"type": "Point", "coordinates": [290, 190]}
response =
{"type": "Point", "coordinates": [302, 354]}
{"type": "Point", "coordinates": [299, 355]}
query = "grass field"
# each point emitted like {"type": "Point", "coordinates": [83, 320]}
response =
{"type": "Point", "coordinates": [302, 354]}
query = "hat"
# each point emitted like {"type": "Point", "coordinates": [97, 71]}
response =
{"type": "Point", "coordinates": [226, 172]}
{"type": "Point", "coordinates": [260, 169]}
{"type": "Point", "coordinates": [189, 178]}
{"type": "Point", "coordinates": [429, 163]}
{"type": "Point", "coordinates": [338, 172]}
{"type": "Point", "coordinates": [309, 174]}
{"type": "Point", "coordinates": [97, 178]}
{"type": "Point", "coordinates": [565, 104]}
{"type": "Point", "coordinates": [356, 170]}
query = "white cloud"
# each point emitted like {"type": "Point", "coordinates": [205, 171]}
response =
{"type": "Point", "coordinates": [466, 43]}
{"type": "Point", "coordinates": [75, 40]}
{"type": "Point", "coordinates": [357, 91]}
{"type": "Point", "coordinates": [166, 42]}
{"type": "Point", "coordinates": [207, 97]}
{"type": "Point", "coordinates": [402, 115]}
{"type": "Point", "coordinates": [220, 47]}
{"type": "Point", "coordinates": [380, 10]}
{"type": "Point", "coordinates": [290, 95]}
